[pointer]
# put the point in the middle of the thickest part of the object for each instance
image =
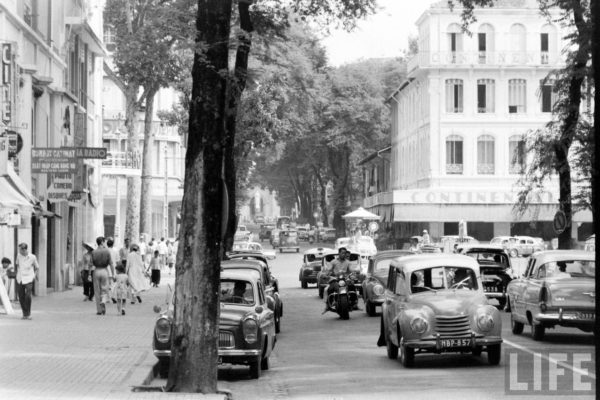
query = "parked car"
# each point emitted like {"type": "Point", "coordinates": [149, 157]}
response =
{"type": "Point", "coordinates": [590, 244]}
{"type": "Point", "coordinates": [270, 283]}
{"type": "Point", "coordinates": [288, 240]}
{"type": "Point", "coordinates": [328, 235]}
{"type": "Point", "coordinates": [556, 289]}
{"type": "Point", "coordinates": [525, 246]}
{"type": "Point", "coordinates": [265, 232]}
{"type": "Point", "coordinates": [496, 269]}
{"type": "Point", "coordinates": [274, 239]}
{"type": "Point", "coordinates": [242, 234]}
{"type": "Point", "coordinates": [435, 303]}
{"type": "Point", "coordinates": [375, 281]}
{"type": "Point", "coordinates": [504, 241]}
{"type": "Point", "coordinates": [311, 265]}
{"type": "Point", "coordinates": [355, 266]}
{"type": "Point", "coordinates": [253, 246]}
{"type": "Point", "coordinates": [450, 242]}
{"type": "Point", "coordinates": [259, 219]}
{"type": "Point", "coordinates": [246, 325]}
{"type": "Point", "coordinates": [302, 233]}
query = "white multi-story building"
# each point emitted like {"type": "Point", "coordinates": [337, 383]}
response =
{"type": "Point", "coordinates": [50, 97]}
{"type": "Point", "coordinates": [460, 119]}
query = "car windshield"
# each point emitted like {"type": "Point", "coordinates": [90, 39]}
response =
{"type": "Point", "coordinates": [489, 259]}
{"type": "Point", "coordinates": [382, 266]}
{"type": "Point", "coordinates": [313, 257]}
{"type": "Point", "coordinates": [437, 278]}
{"type": "Point", "coordinates": [236, 292]}
{"type": "Point", "coordinates": [568, 269]}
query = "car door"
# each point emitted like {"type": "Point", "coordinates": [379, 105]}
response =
{"type": "Point", "coordinates": [395, 300]}
{"type": "Point", "coordinates": [531, 294]}
{"type": "Point", "coordinates": [266, 317]}
{"type": "Point", "coordinates": [518, 287]}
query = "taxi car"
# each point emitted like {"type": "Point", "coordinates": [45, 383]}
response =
{"type": "Point", "coordinates": [288, 240]}
{"type": "Point", "coordinates": [253, 246]}
{"type": "Point", "coordinates": [375, 281]}
{"type": "Point", "coordinates": [246, 325]}
{"type": "Point", "coordinates": [363, 245]}
{"type": "Point", "coordinates": [242, 233]}
{"type": "Point", "coordinates": [328, 235]}
{"type": "Point", "coordinates": [355, 266]}
{"type": "Point", "coordinates": [557, 288]}
{"type": "Point", "coordinates": [495, 266]}
{"type": "Point", "coordinates": [435, 303]}
{"type": "Point", "coordinates": [311, 265]}
{"type": "Point", "coordinates": [265, 232]}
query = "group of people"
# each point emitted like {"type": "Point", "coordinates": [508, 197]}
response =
{"type": "Point", "coordinates": [121, 275]}
{"type": "Point", "coordinates": [24, 272]}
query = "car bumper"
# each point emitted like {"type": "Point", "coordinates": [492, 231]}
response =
{"type": "Point", "coordinates": [435, 344]}
{"type": "Point", "coordinates": [224, 353]}
{"type": "Point", "coordinates": [566, 318]}
{"type": "Point", "coordinates": [495, 295]}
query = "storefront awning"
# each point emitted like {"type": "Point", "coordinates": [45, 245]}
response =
{"type": "Point", "coordinates": [13, 192]}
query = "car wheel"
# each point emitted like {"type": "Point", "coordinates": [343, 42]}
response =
{"type": "Point", "coordinates": [370, 308]}
{"type": "Point", "coordinates": [513, 253]}
{"type": "Point", "coordinates": [343, 306]}
{"type": "Point", "coordinates": [516, 327]}
{"type": "Point", "coordinates": [508, 307]}
{"type": "Point", "coordinates": [280, 250]}
{"type": "Point", "coordinates": [537, 331]}
{"type": "Point", "coordinates": [304, 285]}
{"type": "Point", "coordinates": [277, 323]}
{"type": "Point", "coordinates": [298, 250]}
{"type": "Point", "coordinates": [501, 304]}
{"type": "Point", "coordinates": [477, 351]}
{"type": "Point", "coordinates": [494, 353]}
{"type": "Point", "coordinates": [321, 291]}
{"type": "Point", "coordinates": [407, 355]}
{"type": "Point", "coordinates": [392, 349]}
{"type": "Point", "coordinates": [264, 364]}
{"type": "Point", "coordinates": [163, 368]}
{"type": "Point", "coordinates": [255, 369]}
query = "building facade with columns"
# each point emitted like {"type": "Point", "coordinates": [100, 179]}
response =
{"type": "Point", "coordinates": [460, 120]}
{"type": "Point", "coordinates": [50, 98]}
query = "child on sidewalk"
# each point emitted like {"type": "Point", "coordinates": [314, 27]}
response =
{"type": "Point", "coordinates": [155, 267]}
{"type": "Point", "coordinates": [121, 289]}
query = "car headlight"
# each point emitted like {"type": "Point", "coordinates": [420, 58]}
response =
{"type": "Point", "coordinates": [250, 327]}
{"type": "Point", "coordinates": [485, 322]}
{"type": "Point", "coordinates": [163, 330]}
{"type": "Point", "coordinates": [342, 283]}
{"type": "Point", "coordinates": [419, 325]}
{"type": "Point", "coordinates": [378, 290]}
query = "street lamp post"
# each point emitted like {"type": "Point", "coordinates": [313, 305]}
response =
{"type": "Point", "coordinates": [166, 198]}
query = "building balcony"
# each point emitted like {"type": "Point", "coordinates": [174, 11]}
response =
{"type": "Point", "coordinates": [485, 169]}
{"type": "Point", "coordinates": [469, 59]}
{"type": "Point", "coordinates": [454, 168]}
{"type": "Point", "coordinates": [123, 163]}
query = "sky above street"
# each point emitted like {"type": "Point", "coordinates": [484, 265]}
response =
{"type": "Point", "coordinates": [384, 34]}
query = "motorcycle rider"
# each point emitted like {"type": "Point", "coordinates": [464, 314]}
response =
{"type": "Point", "coordinates": [339, 266]}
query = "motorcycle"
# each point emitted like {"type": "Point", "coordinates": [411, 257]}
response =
{"type": "Point", "coordinates": [345, 298]}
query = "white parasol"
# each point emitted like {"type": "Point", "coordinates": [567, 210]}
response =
{"type": "Point", "coordinates": [361, 213]}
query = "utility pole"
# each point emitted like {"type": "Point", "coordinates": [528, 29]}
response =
{"type": "Point", "coordinates": [166, 198]}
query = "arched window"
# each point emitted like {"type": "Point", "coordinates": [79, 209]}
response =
{"type": "Point", "coordinates": [547, 43]}
{"type": "Point", "coordinates": [454, 95]}
{"type": "Point", "coordinates": [454, 154]}
{"type": "Point", "coordinates": [518, 38]}
{"type": "Point", "coordinates": [455, 42]}
{"type": "Point", "coordinates": [485, 155]}
{"type": "Point", "coordinates": [516, 152]}
{"type": "Point", "coordinates": [485, 42]}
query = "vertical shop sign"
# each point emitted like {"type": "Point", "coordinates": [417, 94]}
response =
{"type": "Point", "coordinates": [6, 73]}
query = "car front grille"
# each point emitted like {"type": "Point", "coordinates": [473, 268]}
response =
{"type": "Point", "coordinates": [226, 340]}
{"type": "Point", "coordinates": [453, 326]}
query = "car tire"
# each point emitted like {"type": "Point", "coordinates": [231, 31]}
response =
{"type": "Point", "coordinates": [392, 349]}
{"type": "Point", "coordinates": [255, 369]}
{"type": "Point", "coordinates": [304, 284]}
{"type": "Point", "coordinates": [494, 354]}
{"type": "Point", "coordinates": [277, 323]}
{"type": "Point", "coordinates": [501, 304]}
{"type": "Point", "coordinates": [264, 364]}
{"type": "Point", "coordinates": [298, 250]}
{"type": "Point", "coordinates": [280, 250]}
{"type": "Point", "coordinates": [163, 368]}
{"type": "Point", "coordinates": [477, 351]}
{"type": "Point", "coordinates": [407, 355]}
{"type": "Point", "coordinates": [344, 307]}
{"type": "Point", "coordinates": [516, 326]}
{"type": "Point", "coordinates": [537, 331]}
{"type": "Point", "coordinates": [321, 291]}
{"type": "Point", "coordinates": [370, 308]}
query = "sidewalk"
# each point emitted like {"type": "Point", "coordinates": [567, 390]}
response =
{"type": "Point", "coordinates": [67, 351]}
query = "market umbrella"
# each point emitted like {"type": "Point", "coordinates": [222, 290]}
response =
{"type": "Point", "coordinates": [361, 213]}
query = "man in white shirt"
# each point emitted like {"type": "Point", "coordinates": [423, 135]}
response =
{"type": "Point", "coordinates": [27, 270]}
{"type": "Point", "coordinates": [162, 251]}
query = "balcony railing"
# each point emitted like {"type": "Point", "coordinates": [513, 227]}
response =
{"type": "Point", "coordinates": [454, 168]}
{"type": "Point", "coordinates": [493, 58]}
{"type": "Point", "coordinates": [123, 159]}
{"type": "Point", "coordinates": [485, 169]}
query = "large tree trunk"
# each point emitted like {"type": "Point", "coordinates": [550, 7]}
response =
{"type": "Point", "coordinates": [147, 163]}
{"type": "Point", "coordinates": [569, 127]}
{"type": "Point", "coordinates": [132, 218]}
{"type": "Point", "coordinates": [322, 197]}
{"type": "Point", "coordinates": [194, 349]}
{"type": "Point", "coordinates": [241, 75]}
{"type": "Point", "coordinates": [339, 162]}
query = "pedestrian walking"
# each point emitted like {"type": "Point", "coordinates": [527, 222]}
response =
{"type": "Point", "coordinates": [155, 266]}
{"type": "Point", "coordinates": [103, 267]}
{"type": "Point", "coordinates": [116, 260]}
{"type": "Point", "coordinates": [142, 246]}
{"type": "Point", "coordinates": [135, 272]}
{"type": "Point", "coordinates": [124, 252]}
{"type": "Point", "coordinates": [87, 272]}
{"type": "Point", "coordinates": [150, 251]}
{"type": "Point", "coordinates": [8, 274]}
{"type": "Point", "coordinates": [27, 270]}
{"type": "Point", "coordinates": [162, 251]}
{"type": "Point", "coordinates": [170, 256]}
{"type": "Point", "coordinates": [121, 289]}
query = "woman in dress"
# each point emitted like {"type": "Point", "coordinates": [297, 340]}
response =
{"type": "Point", "coordinates": [135, 271]}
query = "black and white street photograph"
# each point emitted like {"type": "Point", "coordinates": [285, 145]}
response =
{"type": "Point", "coordinates": [299, 199]}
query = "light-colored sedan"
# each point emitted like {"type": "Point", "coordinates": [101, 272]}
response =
{"type": "Point", "coordinates": [435, 303]}
{"type": "Point", "coordinates": [556, 289]}
{"type": "Point", "coordinates": [254, 247]}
